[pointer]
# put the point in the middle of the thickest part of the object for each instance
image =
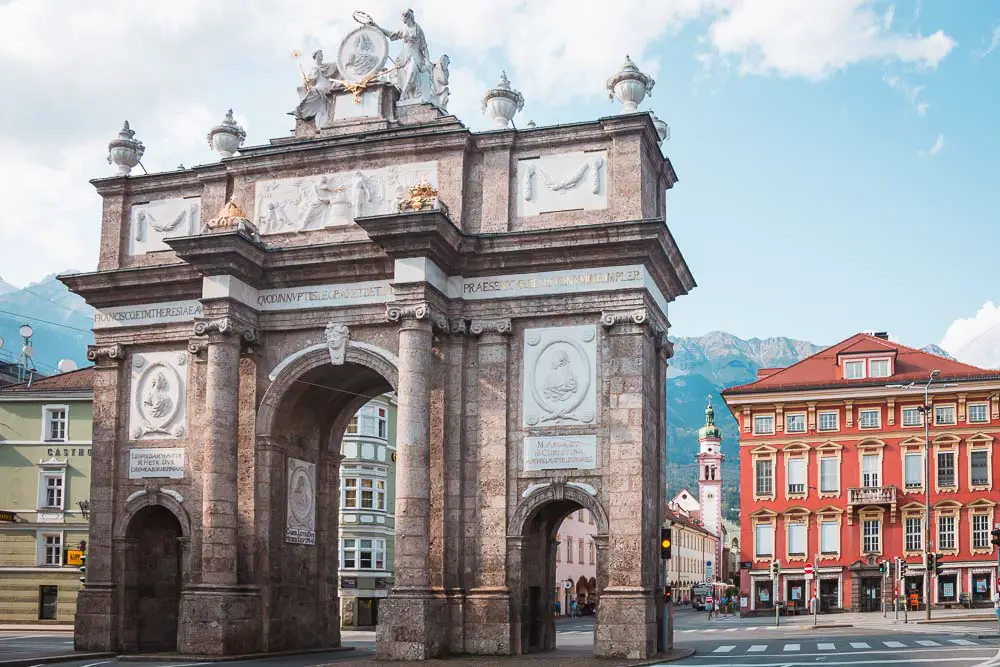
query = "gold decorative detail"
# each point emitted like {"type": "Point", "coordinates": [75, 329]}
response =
{"type": "Point", "coordinates": [358, 89]}
{"type": "Point", "coordinates": [421, 196]}
{"type": "Point", "coordinates": [229, 217]}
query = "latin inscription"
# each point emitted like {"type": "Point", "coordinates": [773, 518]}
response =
{"type": "Point", "coordinates": [326, 295]}
{"type": "Point", "coordinates": [160, 462]}
{"type": "Point", "coordinates": [153, 313]}
{"type": "Point", "coordinates": [577, 452]}
{"type": "Point", "coordinates": [600, 279]}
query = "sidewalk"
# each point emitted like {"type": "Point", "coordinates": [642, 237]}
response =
{"type": "Point", "coordinates": [34, 627]}
{"type": "Point", "coordinates": [562, 656]}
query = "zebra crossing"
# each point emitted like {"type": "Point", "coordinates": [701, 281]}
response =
{"type": "Point", "coordinates": [844, 646]}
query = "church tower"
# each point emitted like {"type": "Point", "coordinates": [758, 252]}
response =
{"type": "Point", "coordinates": [710, 480]}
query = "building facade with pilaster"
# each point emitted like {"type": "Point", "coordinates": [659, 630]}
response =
{"type": "Point", "coordinates": [832, 465]}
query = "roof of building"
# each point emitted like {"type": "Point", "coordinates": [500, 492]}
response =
{"type": "Point", "coordinates": [822, 370]}
{"type": "Point", "coordinates": [73, 381]}
{"type": "Point", "coordinates": [677, 518]}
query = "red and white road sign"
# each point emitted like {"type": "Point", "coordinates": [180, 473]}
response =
{"type": "Point", "coordinates": [809, 569]}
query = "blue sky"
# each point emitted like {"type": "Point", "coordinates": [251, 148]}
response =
{"type": "Point", "coordinates": [836, 157]}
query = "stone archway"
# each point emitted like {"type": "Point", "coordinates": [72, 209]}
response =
{"type": "Point", "coordinates": [151, 554]}
{"type": "Point", "coordinates": [532, 547]}
{"type": "Point", "coordinates": [301, 420]}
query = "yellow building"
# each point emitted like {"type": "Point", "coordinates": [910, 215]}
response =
{"type": "Point", "coordinates": [45, 441]}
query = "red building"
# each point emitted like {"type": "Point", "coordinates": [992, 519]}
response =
{"type": "Point", "coordinates": [832, 473]}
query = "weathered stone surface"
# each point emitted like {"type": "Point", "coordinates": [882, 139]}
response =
{"type": "Point", "coordinates": [475, 531]}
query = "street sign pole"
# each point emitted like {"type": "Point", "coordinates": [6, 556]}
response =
{"type": "Point", "coordinates": [811, 574]}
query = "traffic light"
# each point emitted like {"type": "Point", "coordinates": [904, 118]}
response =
{"type": "Point", "coordinates": [930, 562]}
{"type": "Point", "coordinates": [996, 537]}
{"type": "Point", "coordinates": [775, 569]}
{"type": "Point", "coordinates": [668, 594]}
{"type": "Point", "coordinates": [883, 567]}
{"type": "Point", "coordinates": [83, 569]}
{"type": "Point", "coordinates": [666, 540]}
{"type": "Point", "coordinates": [902, 568]}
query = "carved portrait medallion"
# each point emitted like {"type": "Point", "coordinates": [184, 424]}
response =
{"type": "Point", "coordinates": [300, 519]}
{"type": "Point", "coordinates": [158, 396]}
{"type": "Point", "coordinates": [559, 376]}
{"type": "Point", "coordinates": [362, 54]}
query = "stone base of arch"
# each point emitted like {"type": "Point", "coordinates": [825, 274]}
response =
{"type": "Point", "coordinates": [488, 621]}
{"type": "Point", "coordinates": [220, 620]}
{"type": "Point", "coordinates": [627, 623]}
{"type": "Point", "coordinates": [95, 627]}
{"type": "Point", "coordinates": [412, 625]}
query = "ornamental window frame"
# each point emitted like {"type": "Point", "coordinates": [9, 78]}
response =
{"type": "Point", "coordinates": [829, 451]}
{"type": "Point", "coordinates": [763, 415]}
{"type": "Point", "coordinates": [764, 517]}
{"type": "Point", "coordinates": [836, 420]}
{"type": "Point", "coordinates": [913, 512]}
{"type": "Point", "coordinates": [52, 475]}
{"type": "Point", "coordinates": [788, 419]}
{"type": "Point", "coordinates": [888, 367]}
{"type": "Point", "coordinates": [48, 411]}
{"type": "Point", "coordinates": [829, 514]}
{"type": "Point", "coordinates": [376, 549]}
{"type": "Point", "coordinates": [954, 414]}
{"type": "Point", "coordinates": [909, 447]}
{"type": "Point", "coordinates": [985, 405]}
{"type": "Point", "coordinates": [354, 483]}
{"type": "Point", "coordinates": [981, 507]}
{"type": "Point", "coordinates": [764, 453]}
{"type": "Point", "coordinates": [854, 364]}
{"type": "Point", "coordinates": [980, 442]}
{"type": "Point", "coordinates": [796, 451]}
{"type": "Point", "coordinates": [866, 514]}
{"type": "Point", "coordinates": [902, 416]}
{"type": "Point", "coordinates": [796, 517]}
{"type": "Point", "coordinates": [941, 444]}
{"type": "Point", "coordinates": [42, 547]}
{"type": "Point", "coordinates": [871, 448]}
{"type": "Point", "coordinates": [948, 509]}
{"type": "Point", "coordinates": [869, 411]}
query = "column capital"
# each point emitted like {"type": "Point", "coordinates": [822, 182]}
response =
{"type": "Point", "coordinates": [106, 355]}
{"type": "Point", "coordinates": [219, 328]}
{"type": "Point", "coordinates": [397, 312]}
{"type": "Point", "coordinates": [499, 326]}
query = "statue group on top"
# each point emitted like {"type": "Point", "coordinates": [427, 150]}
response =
{"type": "Point", "coordinates": [361, 60]}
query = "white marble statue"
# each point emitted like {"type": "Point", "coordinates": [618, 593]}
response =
{"type": "Point", "coordinates": [315, 89]}
{"type": "Point", "coordinates": [418, 78]}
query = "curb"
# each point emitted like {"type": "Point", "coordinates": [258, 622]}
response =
{"type": "Point", "coordinates": [822, 626]}
{"type": "Point", "coordinates": [15, 627]}
{"type": "Point", "coordinates": [674, 655]}
{"type": "Point", "coordinates": [52, 659]}
{"type": "Point", "coordinates": [191, 657]}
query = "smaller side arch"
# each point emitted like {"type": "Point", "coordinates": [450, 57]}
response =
{"type": "Point", "coordinates": [150, 499]}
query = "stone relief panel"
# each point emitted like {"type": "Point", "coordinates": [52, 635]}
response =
{"type": "Point", "coordinates": [560, 376]}
{"type": "Point", "coordinates": [159, 396]}
{"type": "Point", "coordinates": [300, 518]}
{"type": "Point", "coordinates": [562, 182]}
{"type": "Point", "coordinates": [154, 221]}
{"type": "Point", "coordinates": [309, 203]}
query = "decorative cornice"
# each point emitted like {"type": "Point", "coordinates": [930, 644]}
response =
{"type": "Point", "coordinates": [106, 354]}
{"type": "Point", "coordinates": [225, 326]}
{"type": "Point", "coordinates": [499, 326]}
{"type": "Point", "coordinates": [637, 316]}
{"type": "Point", "coordinates": [416, 311]}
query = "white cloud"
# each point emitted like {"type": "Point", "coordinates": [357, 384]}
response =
{"type": "Point", "coordinates": [994, 43]}
{"type": "Point", "coordinates": [173, 67]}
{"type": "Point", "coordinates": [935, 149]}
{"type": "Point", "coordinates": [909, 91]}
{"type": "Point", "coordinates": [817, 38]}
{"type": "Point", "coordinates": [976, 340]}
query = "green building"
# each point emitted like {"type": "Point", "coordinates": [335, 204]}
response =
{"type": "Point", "coordinates": [367, 511]}
{"type": "Point", "coordinates": [45, 441]}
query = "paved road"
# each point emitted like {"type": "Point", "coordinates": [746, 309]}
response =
{"type": "Point", "coordinates": [14, 645]}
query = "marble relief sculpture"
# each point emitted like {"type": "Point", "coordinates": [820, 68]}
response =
{"type": "Point", "coordinates": [315, 88]}
{"type": "Point", "coordinates": [560, 376]}
{"type": "Point", "coordinates": [158, 395]}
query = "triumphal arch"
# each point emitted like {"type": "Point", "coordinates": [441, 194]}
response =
{"type": "Point", "coordinates": [511, 286]}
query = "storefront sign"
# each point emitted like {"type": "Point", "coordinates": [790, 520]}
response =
{"type": "Point", "coordinates": [565, 452]}
{"type": "Point", "coordinates": [348, 582]}
{"type": "Point", "coordinates": [159, 462]}
{"type": "Point", "coordinates": [8, 517]}
{"type": "Point", "coordinates": [74, 557]}
{"type": "Point", "coordinates": [746, 564]}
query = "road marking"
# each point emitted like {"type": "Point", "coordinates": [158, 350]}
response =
{"type": "Point", "coordinates": [860, 645]}
{"type": "Point", "coordinates": [792, 647]}
{"type": "Point", "coordinates": [825, 647]}
{"type": "Point", "coordinates": [95, 664]}
{"type": "Point", "coordinates": [709, 630]}
{"type": "Point", "coordinates": [757, 648]}
{"type": "Point", "coordinates": [895, 644]}
{"type": "Point", "coordinates": [927, 642]}
{"type": "Point", "coordinates": [724, 649]}
{"type": "Point", "coordinates": [730, 629]}
{"type": "Point", "coordinates": [963, 642]}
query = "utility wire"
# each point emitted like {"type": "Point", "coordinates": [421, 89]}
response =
{"type": "Point", "coordinates": [38, 319]}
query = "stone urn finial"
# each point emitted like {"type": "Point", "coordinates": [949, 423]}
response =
{"type": "Point", "coordinates": [502, 102]}
{"type": "Point", "coordinates": [630, 86]}
{"type": "Point", "coordinates": [125, 152]}
{"type": "Point", "coordinates": [662, 128]}
{"type": "Point", "coordinates": [226, 137]}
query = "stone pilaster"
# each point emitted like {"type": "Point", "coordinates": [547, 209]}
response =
{"type": "Point", "coordinates": [627, 616]}
{"type": "Point", "coordinates": [97, 608]}
{"type": "Point", "coordinates": [411, 620]}
{"type": "Point", "coordinates": [488, 612]}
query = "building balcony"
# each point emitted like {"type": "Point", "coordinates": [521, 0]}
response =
{"type": "Point", "coordinates": [872, 495]}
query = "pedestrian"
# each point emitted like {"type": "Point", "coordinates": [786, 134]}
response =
{"type": "Point", "coordinates": [711, 607]}
{"type": "Point", "coordinates": [572, 609]}
{"type": "Point", "coordinates": [996, 606]}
